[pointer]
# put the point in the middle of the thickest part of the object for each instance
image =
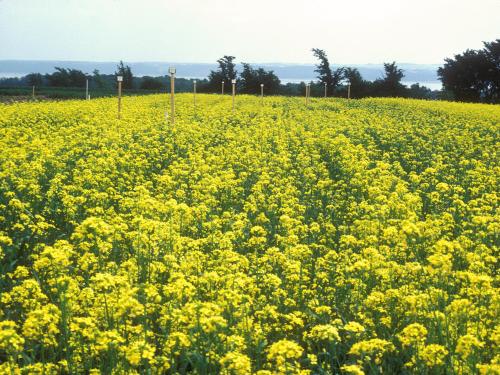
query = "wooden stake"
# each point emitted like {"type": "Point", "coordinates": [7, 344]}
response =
{"type": "Point", "coordinates": [172, 94]}
{"type": "Point", "coordinates": [325, 89]}
{"type": "Point", "coordinates": [234, 91]}
{"type": "Point", "coordinates": [349, 91]}
{"type": "Point", "coordinates": [33, 92]}
{"type": "Point", "coordinates": [222, 87]}
{"type": "Point", "coordinates": [194, 95]}
{"type": "Point", "coordinates": [262, 93]}
{"type": "Point", "coordinates": [119, 100]}
{"type": "Point", "coordinates": [87, 89]}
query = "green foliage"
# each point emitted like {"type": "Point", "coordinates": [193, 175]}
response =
{"type": "Point", "coordinates": [474, 75]}
{"type": "Point", "coordinates": [419, 92]}
{"type": "Point", "coordinates": [63, 77]}
{"type": "Point", "coordinates": [251, 79]}
{"type": "Point", "coordinates": [390, 84]}
{"type": "Point", "coordinates": [359, 87]}
{"type": "Point", "coordinates": [34, 79]}
{"type": "Point", "coordinates": [325, 73]}
{"type": "Point", "coordinates": [98, 80]}
{"type": "Point", "coordinates": [126, 73]}
{"type": "Point", "coordinates": [150, 83]}
{"type": "Point", "coordinates": [226, 73]}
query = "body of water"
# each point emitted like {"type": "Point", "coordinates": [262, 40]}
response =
{"type": "Point", "coordinates": [433, 85]}
{"type": "Point", "coordinates": [12, 75]}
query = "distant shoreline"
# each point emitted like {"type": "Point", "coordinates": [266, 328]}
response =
{"type": "Point", "coordinates": [425, 74]}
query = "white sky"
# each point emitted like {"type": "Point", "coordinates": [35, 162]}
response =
{"type": "Point", "coordinates": [351, 31]}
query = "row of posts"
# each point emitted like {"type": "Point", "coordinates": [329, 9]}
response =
{"type": "Point", "coordinates": [120, 80]}
{"type": "Point", "coordinates": [326, 90]}
{"type": "Point", "coordinates": [172, 71]}
{"type": "Point", "coordinates": [87, 96]}
{"type": "Point", "coordinates": [308, 91]}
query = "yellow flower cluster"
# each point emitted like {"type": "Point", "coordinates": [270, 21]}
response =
{"type": "Point", "coordinates": [284, 355]}
{"type": "Point", "coordinates": [356, 237]}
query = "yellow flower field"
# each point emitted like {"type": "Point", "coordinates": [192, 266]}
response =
{"type": "Point", "coordinates": [355, 237]}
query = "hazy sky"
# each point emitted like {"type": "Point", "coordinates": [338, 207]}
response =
{"type": "Point", "coordinates": [351, 31]}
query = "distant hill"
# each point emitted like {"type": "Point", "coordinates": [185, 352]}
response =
{"type": "Point", "coordinates": [423, 73]}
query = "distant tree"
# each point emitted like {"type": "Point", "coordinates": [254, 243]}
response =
{"type": "Point", "coordinates": [393, 75]}
{"type": "Point", "coordinates": [292, 89]}
{"type": "Point", "coordinates": [150, 83]}
{"type": "Point", "coordinates": [13, 81]}
{"type": "Point", "coordinates": [226, 72]}
{"type": "Point", "coordinates": [60, 78]}
{"type": "Point", "coordinates": [66, 78]}
{"type": "Point", "coordinates": [34, 79]}
{"type": "Point", "coordinates": [359, 87]}
{"type": "Point", "coordinates": [420, 92]}
{"type": "Point", "coordinates": [251, 79]}
{"type": "Point", "coordinates": [325, 73]}
{"type": "Point", "coordinates": [492, 52]}
{"type": "Point", "coordinates": [474, 75]}
{"type": "Point", "coordinates": [390, 84]}
{"type": "Point", "coordinates": [126, 73]}
{"type": "Point", "coordinates": [272, 83]}
{"type": "Point", "coordinates": [77, 78]}
{"type": "Point", "coordinates": [98, 79]}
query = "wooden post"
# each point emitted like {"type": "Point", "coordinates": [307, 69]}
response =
{"type": "Point", "coordinates": [120, 79]}
{"type": "Point", "coordinates": [172, 94]}
{"type": "Point", "coordinates": [262, 93]}
{"type": "Point", "coordinates": [325, 89]}
{"type": "Point", "coordinates": [222, 87]}
{"type": "Point", "coordinates": [33, 92]}
{"type": "Point", "coordinates": [349, 91]}
{"type": "Point", "coordinates": [234, 90]}
{"type": "Point", "coordinates": [194, 95]}
{"type": "Point", "coordinates": [308, 92]}
{"type": "Point", "coordinates": [87, 89]}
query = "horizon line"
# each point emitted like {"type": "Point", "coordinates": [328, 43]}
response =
{"type": "Point", "coordinates": [214, 62]}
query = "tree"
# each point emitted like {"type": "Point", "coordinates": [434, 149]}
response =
{"type": "Point", "coordinates": [126, 73]}
{"type": "Point", "coordinates": [98, 79]}
{"type": "Point", "coordinates": [492, 52]}
{"type": "Point", "coordinates": [34, 79]}
{"type": "Point", "coordinates": [226, 72]}
{"type": "Point", "coordinates": [251, 79]}
{"type": "Point", "coordinates": [150, 83]}
{"type": "Point", "coordinates": [390, 84]}
{"type": "Point", "coordinates": [359, 87]}
{"type": "Point", "coordinates": [66, 78]}
{"type": "Point", "coordinates": [420, 92]}
{"type": "Point", "coordinates": [474, 75]}
{"type": "Point", "coordinates": [325, 73]}
{"type": "Point", "coordinates": [77, 78]}
{"type": "Point", "coordinates": [60, 78]}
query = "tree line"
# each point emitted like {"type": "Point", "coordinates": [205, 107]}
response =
{"type": "Point", "coordinates": [74, 78]}
{"type": "Point", "coordinates": [335, 80]}
{"type": "Point", "coordinates": [472, 76]}
{"type": "Point", "coordinates": [248, 81]}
